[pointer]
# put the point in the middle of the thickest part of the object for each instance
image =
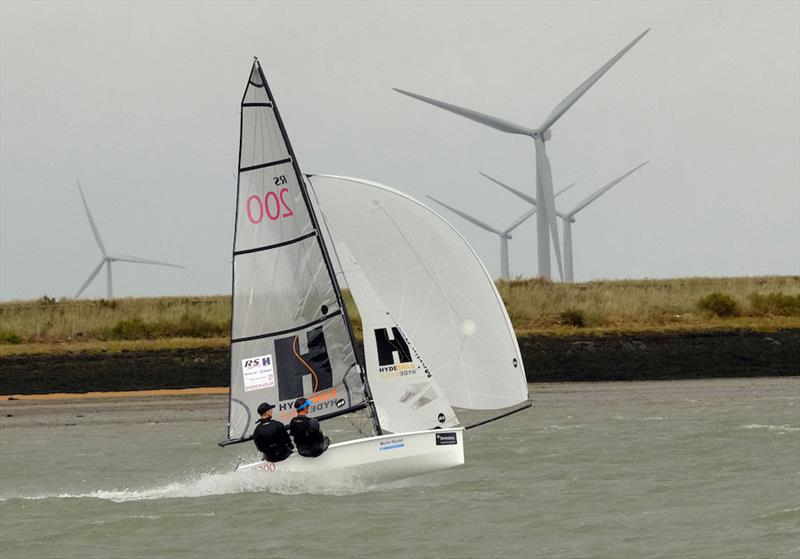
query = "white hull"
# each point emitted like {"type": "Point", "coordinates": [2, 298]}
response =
{"type": "Point", "coordinates": [382, 458]}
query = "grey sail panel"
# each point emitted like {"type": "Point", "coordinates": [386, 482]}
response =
{"type": "Point", "coordinates": [289, 333]}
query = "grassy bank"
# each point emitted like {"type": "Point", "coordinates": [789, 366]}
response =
{"type": "Point", "coordinates": [535, 307]}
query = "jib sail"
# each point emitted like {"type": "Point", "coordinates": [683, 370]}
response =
{"type": "Point", "coordinates": [290, 336]}
{"type": "Point", "coordinates": [406, 394]}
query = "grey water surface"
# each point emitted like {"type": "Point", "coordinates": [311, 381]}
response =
{"type": "Point", "coordinates": [662, 469]}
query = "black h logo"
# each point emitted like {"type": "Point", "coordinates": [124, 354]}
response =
{"type": "Point", "coordinates": [291, 366]}
{"type": "Point", "coordinates": [387, 347]}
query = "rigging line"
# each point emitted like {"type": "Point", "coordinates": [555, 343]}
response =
{"type": "Point", "coordinates": [313, 374]}
{"type": "Point", "coordinates": [371, 412]}
{"type": "Point", "coordinates": [525, 406]}
{"type": "Point", "coordinates": [233, 248]}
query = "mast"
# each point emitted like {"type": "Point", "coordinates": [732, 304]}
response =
{"type": "Point", "coordinates": [325, 254]}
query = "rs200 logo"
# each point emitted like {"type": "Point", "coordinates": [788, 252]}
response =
{"type": "Point", "coordinates": [273, 205]}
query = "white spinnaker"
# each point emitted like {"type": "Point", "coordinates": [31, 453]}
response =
{"type": "Point", "coordinates": [404, 390]}
{"type": "Point", "coordinates": [434, 286]}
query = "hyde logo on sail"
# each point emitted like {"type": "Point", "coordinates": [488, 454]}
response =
{"type": "Point", "coordinates": [394, 356]}
{"type": "Point", "coordinates": [305, 371]}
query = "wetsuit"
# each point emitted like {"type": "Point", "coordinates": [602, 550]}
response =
{"type": "Point", "coordinates": [272, 440]}
{"type": "Point", "coordinates": [308, 436]}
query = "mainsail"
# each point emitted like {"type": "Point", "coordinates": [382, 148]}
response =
{"type": "Point", "coordinates": [290, 335]}
{"type": "Point", "coordinates": [432, 285]}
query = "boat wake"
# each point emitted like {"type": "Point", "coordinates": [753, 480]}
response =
{"type": "Point", "coordinates": [229, 483]}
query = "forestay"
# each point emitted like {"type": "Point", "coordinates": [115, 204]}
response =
{"type": "Point", "coordinates": [434, 287]}
{"type": "Point", "coordinates": [289, 335]}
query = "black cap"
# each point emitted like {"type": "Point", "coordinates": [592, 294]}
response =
{"type": "Point", "coordinates": [264, 407]}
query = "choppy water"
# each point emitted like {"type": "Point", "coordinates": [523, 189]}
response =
{"type": "Point", "coordinates": [577, 476]}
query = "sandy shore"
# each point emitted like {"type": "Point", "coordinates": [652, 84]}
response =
{"type": "Point", "coordinates": [211, 404]}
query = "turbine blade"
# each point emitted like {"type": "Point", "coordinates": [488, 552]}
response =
{"type": "Point", "coordinates": [578, 92]}
{"type": "Point", "coordinates": [521, 219]}
{"type": "Point", "coordinates": [544, 174]}
{"type": "Point", "coordinates": [563, 190]}
{"type": "Point", "coordinates": [137, 260]}
{"type": "Point", "coordinates": [91, 277]}
{"type": "Point", "coordinates": [599, 192]}
{"type": "Point", "coordinates": [91, 221]}
{"type": "Point", "coordinates": [469, 218]}
{"type": "Point", "coordinates": [486, 120]}
{"type": "Point", "coordinates": [524, 196]}
{"type": "Point", "coordinates": [527, 198]}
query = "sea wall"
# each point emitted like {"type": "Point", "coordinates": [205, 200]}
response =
{"type": "Point", "coordinates": [646, 356]}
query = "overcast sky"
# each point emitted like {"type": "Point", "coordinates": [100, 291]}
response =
{"type": "Point", "coordinates": [140, 101]}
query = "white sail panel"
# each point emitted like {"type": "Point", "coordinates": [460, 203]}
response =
{"type": "Point", "coordinates": [434, 286]}
{"type": "Point", "coordinates": [404, 390]}
{"type": "Point", "coordinates": [289, 334]}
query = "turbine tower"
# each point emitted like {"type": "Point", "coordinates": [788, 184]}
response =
{"type": "Point", "coordinates": [569, 217]}
{"type": "Point", "coordinates": [504, 235]}
{"type": "Point", "coordinates": [546, 219]}
{"type": "Point", "coordinates": [108, 258]}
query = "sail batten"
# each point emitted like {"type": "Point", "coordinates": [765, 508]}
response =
{"type": "Point", "coordinates": [329, 316]}
{"type": "Point", "coordinates": [265, 165]}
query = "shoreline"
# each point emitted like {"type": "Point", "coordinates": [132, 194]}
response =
{"type": "Point", "coordinates": [596, 389]}
{"type": "Point", "coordinates": [207, 405]}
{"type": "Point", "coordinates": [577, 358]}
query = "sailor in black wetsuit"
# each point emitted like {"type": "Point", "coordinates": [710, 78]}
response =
{"type": "Point", "coordinates": [271, 437]}
{"type": "Point", "coordinates": [306, 431]}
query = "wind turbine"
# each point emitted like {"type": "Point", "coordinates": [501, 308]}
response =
{"type": "Point", "coordinates": [569, 217]}
{"type": "Point", "coordinates": [504, 235]}
{"type": "Point", "coordinates": [108, 258]}
{"type": "Point", "coordinates": [546, 219]}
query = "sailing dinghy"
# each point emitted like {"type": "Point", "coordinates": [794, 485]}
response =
{"type": "Point", "coordinates": [436, 334]}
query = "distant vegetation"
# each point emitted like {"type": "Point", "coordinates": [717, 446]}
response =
{"type": "Point", "coordinates": [719, 304]}
{"type": "Point", "coordinates": [47, 320]}
{"type": "Point", "coordinates": [535, 307]}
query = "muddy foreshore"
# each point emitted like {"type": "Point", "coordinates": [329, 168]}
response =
{"type": "Point", "coordinates": [643, 356]}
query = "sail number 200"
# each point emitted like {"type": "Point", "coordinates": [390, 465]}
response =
{"type": "Point", "coordinates": [273, 205]}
